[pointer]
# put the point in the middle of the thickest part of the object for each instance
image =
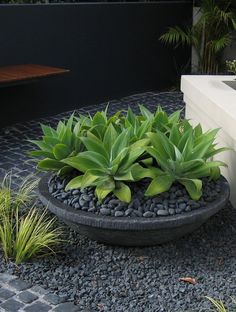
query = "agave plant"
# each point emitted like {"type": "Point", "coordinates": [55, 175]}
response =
{"type": "Point", "coordinates": [109, 163]}
{"type": "Point", "coordinates": [183, 157]}
{"type": "Point", "coordinates": [100, 121]}
{"type": "Point", "coordinates": [160, 120]}
{"type": "Point", "coordinates": [139, 125]}
{"type": "Point", "coordinates": [59, 143]}
{"type": "Point", "coordinates": [65, 141]}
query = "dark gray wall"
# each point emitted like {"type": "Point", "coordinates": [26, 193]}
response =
{"type": "Point", "coordinates": [112, 50]}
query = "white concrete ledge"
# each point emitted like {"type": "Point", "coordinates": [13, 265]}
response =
{"type": "Point", "coordinates": [213, 103]}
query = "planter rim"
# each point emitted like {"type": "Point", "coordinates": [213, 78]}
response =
{"type": "Point", "coordinates": [69, 214]}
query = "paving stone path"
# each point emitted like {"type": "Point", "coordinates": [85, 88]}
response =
{"type": "Point", "coordinates": [18, 295]}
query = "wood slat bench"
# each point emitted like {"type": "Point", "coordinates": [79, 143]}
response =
{"type": "Point", "coordinates": [16, 74]}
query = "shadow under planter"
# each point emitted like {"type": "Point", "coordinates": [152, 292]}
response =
{"type": "Point", "coordinates": [128, 231]}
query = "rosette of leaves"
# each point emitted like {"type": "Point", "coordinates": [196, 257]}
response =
{"type": "Point", "coordinates": [100, 122]}
{"type": "Point", "coordinates": [183, 157]}
{"type": "Point", "coordinates": [140, 125]}
{"type": "Point", "coordinates": [60, 143]}
{"type": "Point", "coordinates": [160, 119]}
{"type": "Point", "coordinates": [109, 163]}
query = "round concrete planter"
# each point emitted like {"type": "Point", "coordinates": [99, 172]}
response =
{"type": "Point", "coordinates": [131, 231]}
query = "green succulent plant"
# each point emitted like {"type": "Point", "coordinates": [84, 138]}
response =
{"type": "Point", "coordinates": [65, 141]}
{"type": "Point", "coordinates": [109, 163]}
{"type": "Point", "coordinates": [160, 119]}
{"type": "Point", "coordinates": [183, 157]}
{"type": "Point", "coordinates": [59, 143]}
{"type": "Point", "coordinates": [112, 152]}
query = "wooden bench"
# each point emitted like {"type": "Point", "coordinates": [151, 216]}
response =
{"type": "Point", "coordinates": [17, 74]}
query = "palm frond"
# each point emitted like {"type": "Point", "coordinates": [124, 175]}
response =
{"type": "Point", "coordinates": [220, 44]}
{"type": "Point", "coordinates": [177, 36]}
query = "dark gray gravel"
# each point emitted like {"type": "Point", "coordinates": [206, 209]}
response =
{"type": "Point", "coordinates": [104, 278]}
{"type": "Point", "coordinates": [175, 201]}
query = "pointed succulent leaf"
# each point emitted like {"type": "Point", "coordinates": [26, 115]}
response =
{"type": "Point", "coordinates": [174, 118]}
{"type": "Point", "coordinates": [99, 119]}
{"type": "Point", "coordinates": [95, 145]}
{"type": "Point", "coordinates": [175, 135]}
{"type": "Point", "coordinates": [157, 144]}
{"type": "Point", "coordinates": [191, 164]}
{"type": "Point", "coordinates": [143, 129]}
{"type": "Point", "coordinates": [70, 121]}
{"type": "Point", "coordinates": [88, 179]}
{"type": "Point", "coordinates": [184, 139]}
{"type": "Point", "coordinates": [215, 173]}
{"type": "Point", "coordinates": [75, 183]}
{"type": "Point", "coordinates": [104, 188]}
{"type": "Point", "coordinates": [120, 143]}
{"type": "Point", "coordinates": [120, 156]}
{"type": "Point", "coordinates": [61, 151]}
{"type": "Point", "coordinates": [131, 117]}
{"type": "Point", "coordinates": [159, 185]}
{"type": "Point", "coordinates": [178, 155]}
{"type": "Point", "coordinates": [48, 131]}
{"type": "Point", "coordinates": [197, 131]}
{"type": "Point", "coordinates": [147, 161]}
{"type": "Point", "coordinates": [188, 148]}
{"type": "Point", "coordinates": [200, 150]}
{"type": "Point", "coordinates": [51, 141]}
{"type": "Point", "coordinates": [41, 153]}
{"type": "Point", "coordinates": [138, 172]}
{"type": "Point", "coordinates": [66, 138]}
{"type": "Point", "coordinates": [135, 151]}
{"type": "Point", "coordinates": [161, 160]}
{"type": "Point", "coordinates": [50, 164]}
{"type": "Point", "coordinates": [64, 170]}
{"type": "Point", "coordinates": [124, 176]}
{"type": "Point", "coordinates": [109, 137]}
{"type": "Point", "coordinates": [146, 113]}
{"type": "Point", "coordinates": [217, 151]}
{"type": "Point", "coordinates": [81, 163]}
{"type": "Point", "coordinates": [122, 192]}
{"type": "Point", "coordinates": [193, 187]}
{"type": "Point", "coordinates": [43, 146]}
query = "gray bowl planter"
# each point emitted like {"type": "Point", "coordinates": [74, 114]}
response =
{"type": "Point", "coordinates": [127, 231]}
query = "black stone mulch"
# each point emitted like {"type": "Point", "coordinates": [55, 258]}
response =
{"type": "Point", "coordinates": [175, 201]}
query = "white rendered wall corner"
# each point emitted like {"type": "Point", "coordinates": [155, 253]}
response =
{"type": "Point", "coordinates": [213, 103]}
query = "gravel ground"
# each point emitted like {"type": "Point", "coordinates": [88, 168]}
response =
{"type": "Point", "coordinates": [104, 278]}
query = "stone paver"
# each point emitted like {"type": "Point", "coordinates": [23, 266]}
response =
{"type": "Point", "coordinates": [19, 284]}
{"type": "Point", "coordinates": [38, 306]}
{"type": "Point", "coordinates": [66, 307]}
{"type": "Point", "coordinates": [27, 296]}
{"type": "Point", "coordinates": [53, 299]}
{"type": "Point", "coordinates": [6, 293]}
{"type": "Point", "coordinates": [12, 305]}
{"type": "Point", "coordinates": [17, 295]}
